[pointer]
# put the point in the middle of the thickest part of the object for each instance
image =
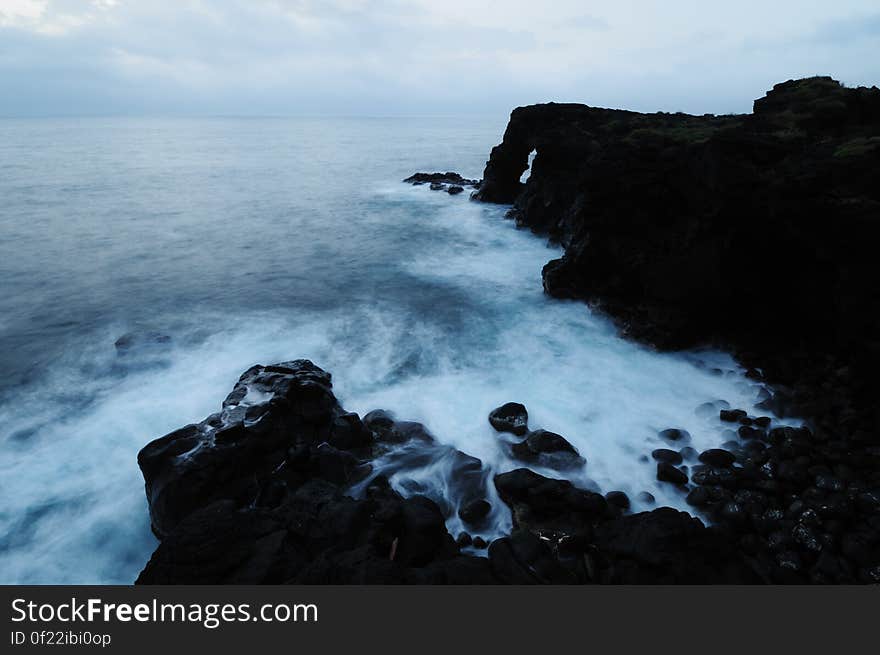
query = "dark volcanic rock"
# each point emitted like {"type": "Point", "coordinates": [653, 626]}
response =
{"type": "Point", "coordinates": [658, 212]}
{"type": "Point", "coordinates": [618, 499]}
{"type": "Point", "coordinates": [717, 457]}
{"type": "Point", "coordinates": [257, 493]}
{"type": "Point", "coordinates": [666, 455]}
{"type": "Point", "coordinates": [670, 223]}
{"type": "Point", "coordinates": [442, 179]}
{"type": "Point", "coordinates": [666, 472]}
{"type": "Point", "coordinates": [549, 447]}
{"type": "Point", "coordinates": [475, 511]}
{"type": "Point", "coordinates": [732, 415]}
{"type": "Point", "coordinates": [665, 546]}
{"type": "Point", "coordinates": [510, 417]}
{"type": "Point", "coordinates": [546, 505]}
{"type": "Point", "coordinates": [669, 220]}
{"type": "Point", "coordinates": [522, 558]}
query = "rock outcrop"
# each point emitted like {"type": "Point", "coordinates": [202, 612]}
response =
{"type": "Point", "coordinates": [278, 487]}
{"type": "Point", "coordinates": [757, 233]}
{"type": "Point", "coordinates": [260, 493]}
{"type": "Point", "coordinates": [451, 182]}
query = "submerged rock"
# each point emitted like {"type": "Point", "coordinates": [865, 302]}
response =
{"type": "Point", "coordinates": [141, 341]}
{"type": "Point", "coordinates": [675, 434]}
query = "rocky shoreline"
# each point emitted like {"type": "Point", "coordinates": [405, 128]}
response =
{"type": "Point", "coordinates": [262, 493]}
{"type": "Point", "coordinates": [753, 233]}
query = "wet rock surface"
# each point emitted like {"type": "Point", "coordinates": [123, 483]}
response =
{"type": "Point", "coordinates": [261, 493]}
{"type": "Point", "coordinates": [549, 448]}
{"type": "Point", "coordinates": [279, 487]}
{"type": "Point", "coordinates": [510, 417]}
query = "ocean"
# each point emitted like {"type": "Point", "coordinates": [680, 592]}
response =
{"type": "Point", "coordinates": [256, 240]}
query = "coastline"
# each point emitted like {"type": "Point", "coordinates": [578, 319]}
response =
{"type": "Point", "coordinates": [787, 505]}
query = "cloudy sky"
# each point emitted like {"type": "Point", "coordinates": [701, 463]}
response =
{"type": "Point", "coordinates": [419, 57]}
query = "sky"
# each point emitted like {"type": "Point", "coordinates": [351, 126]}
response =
{"type": "Point", "coordinates": [420, 57]}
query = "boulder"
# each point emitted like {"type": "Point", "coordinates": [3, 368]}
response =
{"type": "Point", "coordinates": [260, 493]}
{"type": "Point", "coordinates": [618, 499]}
{"type": "Point", "coordinates": [666, 455]}
{"type": "Point", "coordinates": [475, 512]}
{"type": "Point", "coordinates": [510, 417]}
{"type": "Point", "coordinates": [543, 504]}
{"type": "Point", "coordinates": [666, 472]}
{"type": "Point", "coordinates": [522, 558]}
{"type": "Point", "coordinates": [548, 447]}
{"type": "Point", "coordinates": [717, 457]}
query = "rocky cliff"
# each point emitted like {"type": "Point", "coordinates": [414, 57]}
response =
{"type": "Point", "coordinates": [756, 232]}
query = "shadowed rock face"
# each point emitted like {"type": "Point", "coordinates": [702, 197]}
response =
{"type": "Point", "coordinates": [257, 493]}
{"type": "Point", "coordinates": [758, 232]}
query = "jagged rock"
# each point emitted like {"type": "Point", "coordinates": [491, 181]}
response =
{"type": "Point", "coordinates": [257, 493]}
{"type": "Point", "coordinates": [510, 417]}
{"type": "Point", "coordinates": [442, 179]}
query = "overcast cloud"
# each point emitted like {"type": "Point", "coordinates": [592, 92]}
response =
{"type": "Point", "coordinates": [390, 57]}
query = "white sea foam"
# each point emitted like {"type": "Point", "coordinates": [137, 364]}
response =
{"type": "Point", "coordinates": [74, 508]}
